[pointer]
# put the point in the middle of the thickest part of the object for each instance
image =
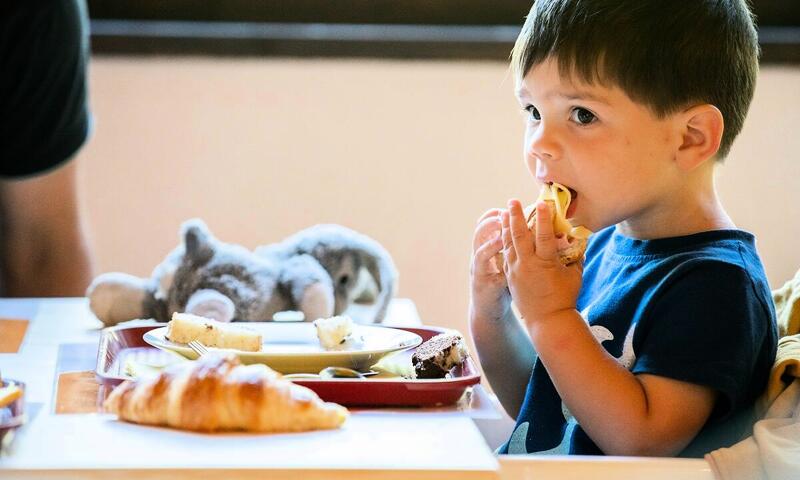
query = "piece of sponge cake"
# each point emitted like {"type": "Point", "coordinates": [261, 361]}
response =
{"type": "Point", "coordinates": [435, 358]}
{"type": "Point", "coordinates": [185, 327]}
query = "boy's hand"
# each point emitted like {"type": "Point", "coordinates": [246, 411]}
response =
{"type": "Point", "coordinates": [540, 285]}
{"type": "Point", "coordinates": [489, 297]}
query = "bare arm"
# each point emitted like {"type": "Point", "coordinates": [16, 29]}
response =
{"type": "Point", "coordinates": [625, 414]}
{"type": "Point", "coordinates": [504, 349]}
{"type": "Point", "coordinates": [44, 247]}
{"type": "Point", "coordinates": [507, 356]}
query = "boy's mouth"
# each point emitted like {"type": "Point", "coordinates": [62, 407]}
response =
{"type": "Point", "coordinates": [573, 204]}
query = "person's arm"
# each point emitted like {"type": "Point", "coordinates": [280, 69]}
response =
{"type": "Point", "coordinates": [504, 350]}
{"type": "Point", "coordinates": [623, 413]}
{"type": "Point", "coordinates": [506, 355]}
{"type": "Point", "coordinates": [44, 247]}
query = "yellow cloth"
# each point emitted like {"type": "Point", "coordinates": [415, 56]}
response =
{"type": "Point", "coordinates": [785, 370]}
{"type": "Point", "coordinates": [787, 307]}
{"type": "Point", "coordinates": [773, 452]}
{"type": "Point", "coordinates": [787, 359]}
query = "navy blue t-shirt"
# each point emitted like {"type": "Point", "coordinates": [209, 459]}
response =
{"type": "Point", "coordinates": [695, 308]}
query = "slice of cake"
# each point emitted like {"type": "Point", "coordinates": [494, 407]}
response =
{"type": "Point", "coordinates": [185, 327]}
{"type": "Point", "coordinates": [337, 333]}
{"type": "Point", "coordinates": [435, 358]}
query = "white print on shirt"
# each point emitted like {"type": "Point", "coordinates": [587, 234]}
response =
{"type": "Point", "coordinates": [628, 357]}
{"type": "Point", "coordinates": [517, 444]}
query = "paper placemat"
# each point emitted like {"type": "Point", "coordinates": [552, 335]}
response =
{"type": "Point", "coordinates": [78, 392]}
{"type": "Point", "coordinates": [12, 332]}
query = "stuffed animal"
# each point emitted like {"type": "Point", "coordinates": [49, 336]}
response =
{"type": "Point", "coordinates": [319, 271]}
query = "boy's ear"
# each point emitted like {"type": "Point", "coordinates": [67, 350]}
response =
{"type": "Point", "coordinates": [701, 134]}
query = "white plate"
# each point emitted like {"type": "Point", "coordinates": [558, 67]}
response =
{"type": "Point", "coordinates": [295, 348]}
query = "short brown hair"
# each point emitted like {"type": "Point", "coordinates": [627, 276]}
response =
{"type": "Point", "coordinates": [666, 54]}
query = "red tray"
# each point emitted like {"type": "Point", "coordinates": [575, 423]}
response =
{"type": "Point", "coordinates": [120, 343]}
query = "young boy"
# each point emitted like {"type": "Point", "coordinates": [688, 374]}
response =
{"type": "Point", "coordinates": [660, 341]}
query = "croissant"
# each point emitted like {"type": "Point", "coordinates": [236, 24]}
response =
{"type": "Point", "coordinates": [216, 393]}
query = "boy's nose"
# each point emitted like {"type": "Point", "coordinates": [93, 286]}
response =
{"type": "Point", "coordinates": [542, 143]}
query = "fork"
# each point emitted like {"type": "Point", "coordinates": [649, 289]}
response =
{"type": "Point", "coordinates": [198, 348]}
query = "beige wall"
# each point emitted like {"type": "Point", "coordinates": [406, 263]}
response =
{"type": "Point", "coordinates": [410, 153]}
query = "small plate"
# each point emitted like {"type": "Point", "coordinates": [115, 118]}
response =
{"type": "Point", "coordinates": [295, 348]}
{"type": "Point", "coordinates": [14, 416]}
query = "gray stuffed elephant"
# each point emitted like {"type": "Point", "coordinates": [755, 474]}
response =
{"type": "Point", "coordinates": [319, 271]}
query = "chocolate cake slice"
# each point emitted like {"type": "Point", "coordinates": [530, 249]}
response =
{"type": "Point", "coordinates": [435, 358]}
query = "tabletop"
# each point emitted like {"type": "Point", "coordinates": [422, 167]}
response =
{"type": "Point", "coordinates": [62, 335]}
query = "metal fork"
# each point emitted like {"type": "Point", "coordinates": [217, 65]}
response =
{"type": "Point", "coordinates": [198, 348]}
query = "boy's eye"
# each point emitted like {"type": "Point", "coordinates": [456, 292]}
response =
{"type": "Point", "coordinates": [582, 116]}
{"type": "Point", "coordinates": [533, 113]}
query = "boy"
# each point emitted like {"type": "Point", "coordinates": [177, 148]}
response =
{"type": "Point", "coordinates": [659, 343]}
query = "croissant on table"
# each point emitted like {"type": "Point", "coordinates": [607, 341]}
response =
{"type": "Point", "coordinates": [216, 393]}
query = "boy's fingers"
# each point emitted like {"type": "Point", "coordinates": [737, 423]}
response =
{"type": "Point", "coordinates": [546, 245]}
{"type": "Point", "coordinates": [486, 230]}
{"type": "Point", "coordinates": [520, 234]}
{"type": "Point", "coordinates": [492, 212]}
{"type": "Point", "coordinates": [488, 250]}
{"type": "Point", "coordinates": [508, 243]}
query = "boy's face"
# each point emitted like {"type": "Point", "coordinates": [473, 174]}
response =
{"type": "Point", "coordinates": [613, 153]}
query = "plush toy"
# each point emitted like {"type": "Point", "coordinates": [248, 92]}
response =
{"type": "Point", "coordinates": [319, 271]}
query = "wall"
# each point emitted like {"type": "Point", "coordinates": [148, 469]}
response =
{"type": "Point", "coordinates": [410, 153]}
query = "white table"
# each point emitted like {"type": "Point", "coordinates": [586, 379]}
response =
{"type": "Point", "coordinates": [398, 443]}
{"type": "Point", "coordinates": [439, 443]}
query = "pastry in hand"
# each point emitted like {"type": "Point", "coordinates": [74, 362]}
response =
{"type": "Point", "coordinates": [571, 240]}
{"type": "Point", "coordinates": [185, 327]}
{"type": "Point", "coordinates": [217, 393]}
{"type": "Point", "coordinates": [435, 357]}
